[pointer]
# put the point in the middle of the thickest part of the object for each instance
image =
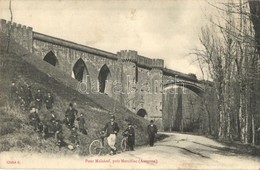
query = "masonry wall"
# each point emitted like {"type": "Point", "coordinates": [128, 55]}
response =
{"type": "Point", "coordinates": [67, 57]}
{"type": "Point", "coordinates": [169, 109]}
{"type": "Point", "coordinates": [182, 109]}
{"type": "Point", "coordinates": [20, 33]}
{"type": "Point", "coordinates": [149, 96]}
{"type": "Point", "coordinates": [192, 111]}
{"type": "Point", "coordinates": [137, 82]}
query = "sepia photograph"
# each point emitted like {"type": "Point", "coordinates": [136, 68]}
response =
{"type": "Point", "coordinates": [130, 84]}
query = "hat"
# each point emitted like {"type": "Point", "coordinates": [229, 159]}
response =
{"type": "Point", "coordinates": [129, 123]}
{"type": "Point", "coordinates": [71, 105]}
{"type": "Point", "coordinates": [112, 117]}
{"type": "Point", "coordinates": [33, 110]}
{"type": "Point", "coordinates": [151, 121]}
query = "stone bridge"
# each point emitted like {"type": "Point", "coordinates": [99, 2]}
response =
{"type": "Point", "coordinates": [141, 84]}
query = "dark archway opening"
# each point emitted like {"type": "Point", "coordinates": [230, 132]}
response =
{"type": "Point", "coordinates": [80, 70]}
{"type": "Point", "coordinates": [141, 113]}
{"type": "Point", "coordinates": [51, 58]}
{"type": "Point", "coordinates": [102, 78]}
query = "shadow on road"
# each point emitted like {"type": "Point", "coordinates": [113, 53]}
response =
{"type": "Point", "coordinates": [185, 149]}
{"type": "Point", "coordinates": [161, 136]}
{"type": "Point", "coordinates": [236, 149]}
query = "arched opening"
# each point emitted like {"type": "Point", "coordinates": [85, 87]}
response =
{"type": "Point", "coordinates": [51, 58]}
{"type": "Point", "coordinates": [103, 76]}
{"type": "Point", "coordinates": [80, 71]}
{"type": "Point", "coordinates": [141, 113]}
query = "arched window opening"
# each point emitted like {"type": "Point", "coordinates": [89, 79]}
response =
{"type": "Point", "coordinates": [141, 113]}
{"type": "Point", "coordinates": [51, 58]}
{"type": "Point", "coordinates": [104, 73]}
{"type": "Point", "coordinates": [80, 71]}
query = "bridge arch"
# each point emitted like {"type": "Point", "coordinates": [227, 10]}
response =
{"type": "Point", "coordinates": [103, 77]}
{"type": "Point", "coordinates": [51, 58]}
{"type": "Point", "coordinates": [191, 86]}
{"type": "Point", "coordinates": [80, 71]}
{"type": "Point", "coordinates": [142, 113]}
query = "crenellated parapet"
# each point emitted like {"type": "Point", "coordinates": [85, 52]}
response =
{"type": "Point", "coordinates": [157, 63]}
{"type": "Point", "coordinates": [150, 63]}
{"type": "Point", "coordinates": [20, 33]}
{"type": "Point", "coordinates": [132, 56]}
{"type": "Point", "coordinates": [137, 82]}
{"type": "Point", "coordinates": [127, 56]}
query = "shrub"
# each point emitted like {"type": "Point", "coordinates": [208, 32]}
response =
{"type": "Point", "coordinates": [27, 141]}
{"type": "Point", "coordinates": [19, 144]}
{"type": "Point", "coordinates": [5, 145]}
{"type": "Point", "coordinates": [5, 128]}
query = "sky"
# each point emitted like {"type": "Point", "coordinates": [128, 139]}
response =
{"type": "Point", "coordinates": [166, 29]}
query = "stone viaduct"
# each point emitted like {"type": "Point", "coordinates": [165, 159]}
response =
{"type": "Point", "coordinates": [141, 84]}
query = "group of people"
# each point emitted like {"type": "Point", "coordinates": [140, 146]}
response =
{"type": "Point", "coordinates": [111, 129]}
{"type": "Point", "coordinates": [22, 96]}
{"type": "Point", "coordinates": [52, 126]}
{"type": "Point", "coordinates": [49, 124]}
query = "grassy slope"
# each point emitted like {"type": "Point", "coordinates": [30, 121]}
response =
{"type": "Point", "coordinates": [23, 67]}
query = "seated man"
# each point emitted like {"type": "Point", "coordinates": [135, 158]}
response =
{"type": "Point", "coordinates": [34, 119]}
{"type": "Point", "coordinates": [74, 136]}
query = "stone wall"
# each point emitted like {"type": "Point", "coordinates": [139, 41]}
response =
{"type": "Point", "coordinates": [68, 55]}
{"type": "Point", "coordinates": [137, 82]}
{"type": "Point", "coordinates": [20, 33]}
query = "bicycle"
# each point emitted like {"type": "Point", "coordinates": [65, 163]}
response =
{"type": "Point", "coordinates": [123, 144]}
{"type": "Point", "coordinates": [97, 146]}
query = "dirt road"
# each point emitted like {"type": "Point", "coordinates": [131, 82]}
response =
{"type": "Point", "coordinates": [175, 152]}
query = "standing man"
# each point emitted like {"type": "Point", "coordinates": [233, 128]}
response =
{"type": "Point", "coordinates": [14, 92]}
{"type": "Point", "coordinates": [38, 99]}
{"type": "Point", "coordinates": [111, 128]}
{"type": "Point", "coordinates": [28, 97]}
{"type": "Point", "coordinates": [130, 133]}
{"type": "Point", "coordinates": [70, 115]}
{"type": "Point", "coordinates": [81, 123]}
{"type": "Point", "coordinates": [152, 131]}
{"type": "Point", "coordinates": [49, 101]}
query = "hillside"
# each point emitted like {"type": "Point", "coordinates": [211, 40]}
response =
{"type": "Point", "coordinates": [24, 68]}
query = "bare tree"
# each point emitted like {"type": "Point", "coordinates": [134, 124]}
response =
{"type": "Point", "coordinates": [230, 56]}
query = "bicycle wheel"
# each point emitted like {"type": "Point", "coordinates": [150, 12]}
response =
{"type": "Point", "coordinates": [123, 144]}
{"type": "Point", "coordinates": [95, 147]}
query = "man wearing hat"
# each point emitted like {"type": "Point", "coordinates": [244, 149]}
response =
{"type": "Point", "coordinates": [130, 133]}
{"type": "Point", "coordinates": [49, 101]}
{"type": "Point", "coordinates": [28, 97]}
{"type": "Point", "coordinates": [14, 92]}
{"type": "Point", "coordinates": [38, 99]}
{"type": "Point", "coordinates": [152, 130]}
{"type": "Point", "coordinates": [81, 124]}
{"type": "Point", "coordinates": [70, 115]}
{"type": "Point", "coordinates": [111, 128]}
{"type": "Point", "coordinates": [34, 118]}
